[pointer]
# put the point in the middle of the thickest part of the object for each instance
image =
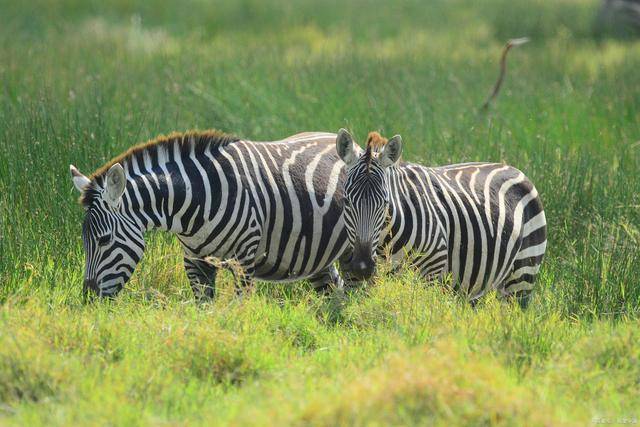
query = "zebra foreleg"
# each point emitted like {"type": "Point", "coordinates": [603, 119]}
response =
{"type": "Point", "coordinates": [246, 260]}
{"type": "Point", "coordinates": [326, 280]}
{"type": "Point", "coordinates": [244, 284]}
{"type": "Point", "coordinates": [202, 276]}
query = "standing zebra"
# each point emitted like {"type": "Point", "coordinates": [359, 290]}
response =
{"type": "Point", "coordinates": [271, 206]}
{"type": "Point", "coordinates": [481, 222]}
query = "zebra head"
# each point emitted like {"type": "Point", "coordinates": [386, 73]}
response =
{"type": "Point", "coordinates": [366, 197]}
{"type": "Point", "coordinates": [113, 241]}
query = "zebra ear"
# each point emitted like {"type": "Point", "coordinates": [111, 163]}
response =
{"type": "Point", "coordinates": [392, 151]}
{"type": "Point", "coordinates": [116, 182]}
{"type": "Point", "coordinates": [79, 181]}
{"type": "Point", "coordinates": [344, 147]}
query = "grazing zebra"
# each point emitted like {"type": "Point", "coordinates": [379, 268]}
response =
{"type": "Point", "coordinates": [481, 222]}
{"type": "Point", "coordinates": [272, 207]}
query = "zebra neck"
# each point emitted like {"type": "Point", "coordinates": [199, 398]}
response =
{"type": "Point", "coordinates": [157, 201]}
{"type": "Point", "coordinates": [396, 194]}
{"type": "Point", "coordinates": [396, 201]}
{"type": "Point", "coordinates": [411, 204]}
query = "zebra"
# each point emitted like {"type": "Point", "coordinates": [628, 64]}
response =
{"type": "Point", "coordinates": [272, 207]}
{"type": "Point", "coordinates": [481, 223]}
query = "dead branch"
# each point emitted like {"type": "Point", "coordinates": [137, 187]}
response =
{"type": "Point", "coordinates": [503, 69]}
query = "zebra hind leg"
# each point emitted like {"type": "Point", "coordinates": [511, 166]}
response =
{"type": "Point", "coordinates": [528, 259]}
{"type": "Point", "coordinates": [327, 280]}
{"type": "Point", "coordinates": [519, 285]}
{"type": "Point", "coordinates": [202, 276]}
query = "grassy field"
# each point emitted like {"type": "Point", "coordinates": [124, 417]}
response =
{"type": "Point", "coordinates": [81, 80]}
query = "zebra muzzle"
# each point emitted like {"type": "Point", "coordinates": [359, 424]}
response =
{"type": "Point", "coordinates": [362, 265]}
{"type": "Point", "coordinates": [90, 285]}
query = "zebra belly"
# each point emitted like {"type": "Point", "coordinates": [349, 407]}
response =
{"type": "Point", "coordinates": [297, 257]}
{"type": "Point", "coordinates": [269, 271]}
{"type": "Point", "coordinates": [304, 255]}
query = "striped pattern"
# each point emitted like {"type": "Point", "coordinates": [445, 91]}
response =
{"type": "Point", "coordinates": [118, 239]}
{"type": "Point", "coordinates": [481, 222]}
{"type": "Point", "coordinates": [271, 207]}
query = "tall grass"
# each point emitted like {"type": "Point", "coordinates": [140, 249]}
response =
{"type": "Point", "coordinates": [83, 80]}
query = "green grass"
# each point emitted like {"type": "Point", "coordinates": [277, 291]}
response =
{"type": "Point", "coordinates": [80, 81]}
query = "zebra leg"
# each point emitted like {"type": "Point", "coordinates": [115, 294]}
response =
{"type": "Point", "coordinates": [520, 284]}
{"type": "Point", "coordinates": [244, 284]}
{"type": "Point", "coordinates": [246, 260]}
{"type": "Point", "coordinates": [528, 259]}
{"type": "Point", "coordinates": [326, 280]}
{"type": "Point", "coordinates": [202, 276]}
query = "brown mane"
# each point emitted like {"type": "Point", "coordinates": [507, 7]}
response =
{"type": "Point", "coordinates": [375, 142]}
{"type": "Point", "coordinates": [199, 140]}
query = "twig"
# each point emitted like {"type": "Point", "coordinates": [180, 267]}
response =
{"type": "Point", "coordinates": [503, 69]}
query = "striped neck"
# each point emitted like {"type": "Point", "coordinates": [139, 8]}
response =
{"type": "Point", "coordinates": [156, 197]}
{"type": "Point", "coordinates": [396, 196]}
{"type": "Point", "coordinates": [408, 204]}
{"type": "Point", "coordinates": [158, 193]}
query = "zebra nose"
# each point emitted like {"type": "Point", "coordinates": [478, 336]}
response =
{"type": "Point", "coordinates": [362, 265]}
{"type": "Point", "coordinates": [362, 270]}
{"type": "Point", "coordinates": [90, 285]}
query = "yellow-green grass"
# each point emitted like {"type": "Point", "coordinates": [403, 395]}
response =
{"type": "Point", "coordinates": [83, 80]}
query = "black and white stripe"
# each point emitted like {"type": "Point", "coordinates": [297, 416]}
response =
{"type": "Point", "coordinates": [481, 222]}
{"type": "Point", "coordinates": [271, 207]}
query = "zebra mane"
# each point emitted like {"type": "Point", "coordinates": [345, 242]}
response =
{"type": "Point", "coordinates": [198, 140]}
{"type": "Point", "coordinates": [375, 142]}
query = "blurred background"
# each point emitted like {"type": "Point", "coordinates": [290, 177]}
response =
{"type": "Point", "coordinates": [83, 80]}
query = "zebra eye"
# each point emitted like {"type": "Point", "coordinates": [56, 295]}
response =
{"type": "Point", "coordinates": [103, 240]}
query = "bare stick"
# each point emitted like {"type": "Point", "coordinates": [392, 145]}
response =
{"type": "Point", "coordinates": [503, 68]}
